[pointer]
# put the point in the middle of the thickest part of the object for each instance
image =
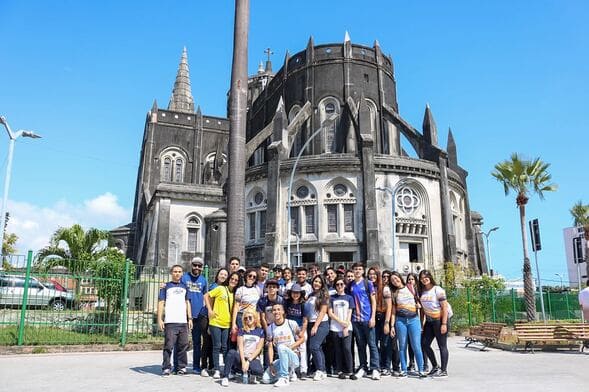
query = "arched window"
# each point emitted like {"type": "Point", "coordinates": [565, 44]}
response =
{"type": "Point", "coordinates": [328, 107]}
{"type": "Point", "coordinates": [380, 136]}
{"type": "Point", "coordinates": [173, 163]}
{"type": "Point", "coordinates": [192, 233]}
{"type": "Point", "coordinates": [340, 202]}
{"type": "Point", "coordinates": [256, 215]}
{"type": "Point", "coordinates": [303, 210]}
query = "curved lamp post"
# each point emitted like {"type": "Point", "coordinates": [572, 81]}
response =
{"type": "Point", "coordinates": [12, 139]}
{"type": "Point", "coordinates": [487, 234]}
{"type": "Point", "coordinates": [292, 173]}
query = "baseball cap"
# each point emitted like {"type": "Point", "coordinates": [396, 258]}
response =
{"type": "Point", "coordinates": [197, 261]}
{"type": "Point", "coordinates": [296, 288]}
{"type": "Point", "coordinates": [241, 268]}
{"type": "Point", "coordinates": [270, 282]}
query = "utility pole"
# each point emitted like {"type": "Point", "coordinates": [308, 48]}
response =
{"type": "Point", "coordinates": [237, 126]}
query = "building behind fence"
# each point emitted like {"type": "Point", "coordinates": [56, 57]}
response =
{"type": "Point", "coordinates": [67, 309]}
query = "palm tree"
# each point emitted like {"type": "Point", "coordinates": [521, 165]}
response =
{"type": "Point", "coordinates": [524, 177]}
{"type": "Point", "coordinates": [580, 213]}
{"type": "Point", "coordinates": [73, 248]}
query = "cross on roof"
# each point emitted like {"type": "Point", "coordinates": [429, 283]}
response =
{"type": "Point", "coordinates": [268, 52]}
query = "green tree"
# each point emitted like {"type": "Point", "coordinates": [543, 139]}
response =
{"type": "Point", "coordinates": [525, 177]}
{"type": "Point", "coordinates": [73, 248]}
{"type": "Point", "coordinates": [110, 272]}
{"type": "Point", "coordinates": [580, 214]}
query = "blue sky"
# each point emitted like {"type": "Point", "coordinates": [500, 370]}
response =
{"type": "Point", "coordinates": [505, 76]}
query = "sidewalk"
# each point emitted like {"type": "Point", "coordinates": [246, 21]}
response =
{"type": "Point", "coordinates": [469, 370]}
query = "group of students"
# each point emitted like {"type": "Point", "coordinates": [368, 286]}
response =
{"type": "Point", "coordinates": [305, 324]}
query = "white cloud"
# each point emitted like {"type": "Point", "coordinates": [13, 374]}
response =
{"type": "Point", "coordinates": [35, 224]}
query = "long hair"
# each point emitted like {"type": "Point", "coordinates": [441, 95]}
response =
{"type": "Point", "coordinates": [226, 282]}
{"type": "Point", "coordinates": [415, 287]}
{"type": "Point", "coordinates": [322, 295]}
{"type": "Point", "coordinates": [427, 274]}
{"type": "Point", "coordinates": [380, 305]}
{"type": "Point", "coordinates": [256, 315]}
{"type": "Point", "coordinates": [395, 289]}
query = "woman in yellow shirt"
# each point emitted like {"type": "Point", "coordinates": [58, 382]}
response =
{"type": "Point", "coordinates": [220, 317]}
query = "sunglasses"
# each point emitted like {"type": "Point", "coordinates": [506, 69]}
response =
{"type": "Point", "coordinates": [340, 284]}
{"type": "Point", "coordinates": [252, 276]}
{"type": "Point", "coordinates": [196, 265]}
{"type": "Point", "coordinates": [248, 318]}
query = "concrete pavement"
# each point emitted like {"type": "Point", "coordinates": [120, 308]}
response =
{"type": "Point", "coordinates": [469, 370]}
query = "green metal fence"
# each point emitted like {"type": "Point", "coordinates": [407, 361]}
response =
{"type": "Point", "coordinates": [54, 307]}
{"type": "Point", "coordinates": [508, 306]}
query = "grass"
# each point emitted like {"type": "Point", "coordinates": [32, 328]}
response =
{"type": "Point", "coordinates": [53, 336]}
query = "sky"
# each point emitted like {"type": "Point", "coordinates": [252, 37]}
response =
{"type": "Point", "coordinates": [505, 76]}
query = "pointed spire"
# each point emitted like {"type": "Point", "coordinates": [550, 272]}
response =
{"type": "Point", "coordinates": [153, 112]}
{"type": "Point", "coordinates": [154, 106]}
{"type": "Point", "coordinates": [181, 99]}
{"type": "Point", "coordinates": [430, 131]}
{"type": "Point", "coordinates": [310, 42]}
{"type": "Point", "coordinates": [269, 53]}
{"type": "Point", "coordinates": [261, 67]}
{"type": "Point", "coordinates": [347, 37]}
{"type": "Point", "coordinates": [451, 148]}
{"type": "Point", "coordinates": [198, 111]}
{"type": "Point", "coordinates": [280, 107]}
{"type": "Point", "coordinates": [376, 44]}
{"type": "Point", "coordinates": [347, 46]}
{"type": "Point", "coordinates": [310, 50]}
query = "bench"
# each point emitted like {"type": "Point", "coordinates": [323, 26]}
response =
{"type": "Point", "coordinates": [531, 335]}
{"type": "Point", "coordinates": [486, 334]}
{"type": "Point", "coordinates": [578, 333]}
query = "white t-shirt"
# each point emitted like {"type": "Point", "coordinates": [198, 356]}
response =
{"type": "Point", "coordinates": [311, 311]}
{"type": "Point", "coordinates": [584, 298]}
{"type": "Point", "coordinates": [247, 297]}
{"type": "Point", "coordinates": [283, 334]}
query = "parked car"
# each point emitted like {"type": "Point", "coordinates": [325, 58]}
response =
{"type": "Point", "coordinates": [12, 290]}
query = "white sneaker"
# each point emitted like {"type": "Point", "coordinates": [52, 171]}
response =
{"type": "Point", "coordinates": [360, 373]}
{"type": "Point", "coordinates": [204, 373]}
{"type": "Point", "coordinates": [293, 376]}
{"type": "Point", "coordinates": [375, 375]}
{"type": "Point", "coordinates": [319, 375]}
{"type": "Point", "coordinates": [282, 382]}
{"type": "Point", "coordinates": [217, 375]}
{"type": "Point", "coordinates": [225, 382]}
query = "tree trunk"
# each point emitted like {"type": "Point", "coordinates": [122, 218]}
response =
{"type": "Point", "coordinates": [529, 293]}
{"type": "Point", "coordinates": [237, 125]}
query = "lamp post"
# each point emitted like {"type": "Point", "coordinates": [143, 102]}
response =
{"type": "Point", "coordinates": [175, 251]}
{"type": "Point", "coordinates": [560, 277]}
{"type": "Point", "coordinates": [292, 172]}
{"type": "Point", "coordinates": [12, 139]}
{"type": "Point", "coordinates": [487, 234]}
{"type": "Point", "coordinates": [393, 192]}
{"type": "Point", "coordinates": [298, 259]}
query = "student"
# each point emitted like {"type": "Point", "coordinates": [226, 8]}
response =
{"type": "Point", "coordinates": [318, 324]}
{"type": "Point", "coordinates": [197, 287]}
{"type": "Point", "coordinates": [364, 320]}
{"type": "Point", "coordinates": [405, 323]}
{"type": "Point", "coordinates": [278, 275]}
{"type": "Point", "coordinates": [262, 276]}
{"type": "Point", "coordinates": [234, 263]}
{"type": "Point", "coordinates": [174, 319]}
{"type": "Point", "coordinates": [411, 282]}
{"type": "Point", "coordinates": [382, 330]}
{"type": "Point", "coordinates": [250, 343]}
{"type": "Point", "coordinates": [206, 357]}
{"type": "Point", "coordinates": [302, 281]}
{"type": "Point", "coordinates": [295, 310]}
{"type": "Point", "coordinates": [246, 297]}
{"type": "Point", "coordinates": [285, 337]}
{"type": "Point", "coordinates": [288, 282]}
{"type": "Point", "coordinates": [220, 317]}
{"type": "Point", "coordinates": [436, 311]}
{"type": "Point", "coordinates": [341, 306]}
{"type": "Point", "coordinates": [264, 306]}
{"type": "Point", "coordinates": [391, 347]}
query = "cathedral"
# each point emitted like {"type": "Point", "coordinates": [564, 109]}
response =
{"type": "Point", "coordinates": [329, 178]}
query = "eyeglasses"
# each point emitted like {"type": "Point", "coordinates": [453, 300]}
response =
{"type": "Point", "coordinates": [248, 318]}
{"type": "Point", "coordinates": [252, 276]}
{"type": "Point", "coordinates": [386, 276]}
{"type": "Point", "coordinates": [340, 284]}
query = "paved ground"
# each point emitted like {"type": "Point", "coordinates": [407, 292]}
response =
{"type": "Point", "coordinates": [469, 370]}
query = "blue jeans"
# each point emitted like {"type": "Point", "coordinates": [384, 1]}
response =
{"type": "Point", "coordinates": [220, 337]}
{"type": "Point", "coordinates": [197, 332]}
{"type": "Point", "coordinates": [364, 335]}
{"type": "Point", "coordinates": [287, 360]}
{"type": "Point", "coordinates": [315, 343]}
{"type": "Point", "coordinates": [409, 328]}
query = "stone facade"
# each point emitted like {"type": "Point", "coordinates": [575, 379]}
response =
{"type": "Point", "coordinates": [334, 107]}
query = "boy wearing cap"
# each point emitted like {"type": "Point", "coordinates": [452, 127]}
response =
{"type": "Point", "coordinates": [197, 287]}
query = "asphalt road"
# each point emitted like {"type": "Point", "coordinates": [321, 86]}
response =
{"type": "Point", "coordinates": [469, 370]}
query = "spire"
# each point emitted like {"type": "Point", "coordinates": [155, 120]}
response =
{"type": "Point", "coordinates": [347, 37]}
{"type": "Point", "coordinates": [181, 99]}
{"type": "Point", "coordinates": [451, 148]}
{"type": "Point", "coordinates": [430, 131]}
{"type": "Point", "coordinates": [261, 67]}
{"type": "Point", "coordinates": [347, 46]}
{"type": "Point", "coordinates": [269, 53]}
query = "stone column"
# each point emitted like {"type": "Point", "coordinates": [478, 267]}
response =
{"type": "Point", "coordinates": [449, 239]}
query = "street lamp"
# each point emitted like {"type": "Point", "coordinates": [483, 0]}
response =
{"type": "Point", "coordinates": [292, 172]}
{"type": "Point", "coordinates": [298, 259]}
{"type": "Point", "coordinates": [561, 285]}
{"type": "Point", "coordinates": [12, 138]}
{"type": "Point", "coordinates": [487, 234]}
{"type": "Point", "coordinates": [393, 192]}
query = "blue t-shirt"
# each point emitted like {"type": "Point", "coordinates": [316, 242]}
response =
{"type": "Point", "coordinates": [362, 306]}
{"type": "Point", "coordinates": [197, 287]}
{"type": "Point", "coordinates": [265, 306]}
{"type": "Point", "coordinates": [294, 312]}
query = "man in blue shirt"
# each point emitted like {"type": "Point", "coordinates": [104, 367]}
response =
{"type": "Point", "coordinates": [364, 320]}
{"type": "Point", "coordinates": [197, 287]}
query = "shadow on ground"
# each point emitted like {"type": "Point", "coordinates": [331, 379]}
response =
{"type": "Point", "coordinates": [150, 369]}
